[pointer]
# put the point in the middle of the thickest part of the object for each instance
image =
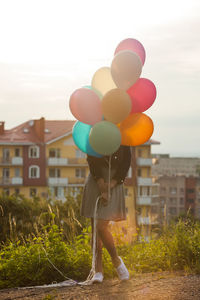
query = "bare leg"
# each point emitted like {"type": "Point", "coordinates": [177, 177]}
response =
{"type": "Point", "coordinates": [99, 244]}
{"type": "Point", "coordinates": [107, 239]}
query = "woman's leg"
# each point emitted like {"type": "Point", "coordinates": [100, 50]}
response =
{"type": "Point", "coordinates": [98, 262]}
{"type": "Point", "coordinates": [107, 239]}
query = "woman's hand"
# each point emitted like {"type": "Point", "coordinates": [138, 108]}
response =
{"type": "Point", "coordinates": [104, 198]}
{"type": "Point", "coordinates": [102, 185]}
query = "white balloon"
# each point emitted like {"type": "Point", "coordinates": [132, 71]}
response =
{"type": "Point", "coordinates": [126, 68]}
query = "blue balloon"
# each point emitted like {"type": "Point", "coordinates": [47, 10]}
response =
{"type": "Point", "coordinates": [80, 134]}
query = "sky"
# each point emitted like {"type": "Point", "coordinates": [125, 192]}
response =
{"type": "Point", "coordinates": [48, 49]}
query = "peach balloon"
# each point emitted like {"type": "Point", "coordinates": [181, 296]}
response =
{"type": "Point", "coordinates": [102, 80]}
{"type": "Point", "coordinates": [85, 105]}
{"type": "Point", "coordinates": [126, 68]}
{"type": "Point", "coordinates": [116, 105]}
{"type": "Point", "coordinates": [132, 45]}
{"type": "Point", "coordinates": [136, 129]}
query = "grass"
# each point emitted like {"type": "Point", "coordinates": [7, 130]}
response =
{"type": "Point", "coordinates": [27, 262]}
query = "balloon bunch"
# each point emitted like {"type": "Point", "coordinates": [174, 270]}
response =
{"type": "Point", "coordinates": [110, 111]}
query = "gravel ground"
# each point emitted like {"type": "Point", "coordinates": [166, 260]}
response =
{"type": "Point", "coordinates": [154, 286]}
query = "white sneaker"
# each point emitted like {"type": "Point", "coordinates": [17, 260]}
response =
{"type": "Point", "coordinates": [97, 278]}
{"type": "Point", "coordinates": [122, 271]}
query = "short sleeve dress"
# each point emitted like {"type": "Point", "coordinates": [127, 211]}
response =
{"type": "Point", "coordinates": [99, 168]}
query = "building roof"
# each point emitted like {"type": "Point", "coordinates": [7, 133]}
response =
{"type": "Point", "coordinates": [48, 131]}
{"type": "Point", "coordinates": [25, 133]}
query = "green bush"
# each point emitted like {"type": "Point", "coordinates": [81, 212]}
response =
{"type": "Point", "coordinates": [21, 217]}
{"type": "Point", "coordinates": [36, 260]}
{"type": "Point", "coordinates": [32, 262]}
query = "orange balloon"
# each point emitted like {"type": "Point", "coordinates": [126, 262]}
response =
{"type": "Point", "coordinates": [136, 129]}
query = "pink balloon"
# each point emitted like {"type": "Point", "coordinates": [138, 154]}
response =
{"type": "Point", "coordinates": [85, 105]}
{"type": "Point", "coordinates": [142, 94]}
{"type": "Point", "coordinates": [132, 45]}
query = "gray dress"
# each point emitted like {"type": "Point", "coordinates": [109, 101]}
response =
{"type": "Point", "coordinates": [113, 211]}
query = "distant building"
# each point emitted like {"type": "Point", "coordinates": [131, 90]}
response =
{"type": "Point", "coordinates": [178, 186]}
{"type": "Point", "coordinates": [164, 165]}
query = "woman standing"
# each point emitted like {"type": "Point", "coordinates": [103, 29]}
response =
{"type": "Point", "coordinates": [106, 174]}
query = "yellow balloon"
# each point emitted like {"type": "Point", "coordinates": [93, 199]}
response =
{"type": "Point", "coordinates": [116, 105]}
{"type": "Point", "coordinates": [136, 129]}
{"type": "Point", "coordinates": [102, 80]}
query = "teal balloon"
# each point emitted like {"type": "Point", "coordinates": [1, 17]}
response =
{"type": "Point", "coordinates": [80, 134]}
{"type": "Point", "coordinates": [105, 138]}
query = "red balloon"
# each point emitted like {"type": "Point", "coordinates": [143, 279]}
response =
{"type": "Point", "coordinates": [142, 94]}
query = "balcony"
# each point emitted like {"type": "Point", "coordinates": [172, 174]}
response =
{"type": "Point", "coordinates": [70, 162]}
{"type": "Point", "coordinates": [5, 161]}
{"type": "Point", "coordinates": [143, 220]}
{"type": "Point", "coordinates": [80, 181]}
{"type": "Point", "coordinates": [146, 181]}
{"type": "Point", "coordinates": [144, 200]}
{"type": "Point", "coordinates": [18, 161]}
{"type": "Point", "coordinates": [55, 161]}
{"type": "Point", "coordinates": [77, 161]}
{"type": "Point", "coordinates": [57, 181]}
{"type": "Point", "coordinates": [11, 181]}
{"type": "Point", "coordinates": [5, 181]}
{"type": "Point", "coordinates": [17, 180]}
{"type": "Point", "coordinates": [144, 162]}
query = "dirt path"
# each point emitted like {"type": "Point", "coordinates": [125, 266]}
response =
{"type": "Point", "coordinates": [159, 286]}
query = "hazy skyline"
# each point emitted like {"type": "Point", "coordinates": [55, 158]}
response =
{"type": "Point", "coordinates": [50, 48]}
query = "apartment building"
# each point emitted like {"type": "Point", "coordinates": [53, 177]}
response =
{"type": "Point", "coordinates": [178, 180]}
{"type": "Point", "coordinates": [141, 189]}
{"type": "Point", "coordinates": [164, 165]}
{"type": "Point", "coordinates": [40, 158]}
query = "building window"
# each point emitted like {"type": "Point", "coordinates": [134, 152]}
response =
{"type": "Point", "coordinates": [34, 172]}
{"type": "Point", "coordinates": [139, 172]}
{"type": "Point", "coordinates": [126, 192]}
{"type": "Point", "coordinates": [190, 200]}
{"type": "Point", "coordinates": [162, 200]}
{"type": "Point", "coordinates": [6, 172]}
{"type": "Point", "coordinates": [17, 152]}
{"type": "Point", "coordinates": [6, 155]}
{"type": "Point", "coordinates": [54, 172]}
{"type": "Point", "coordinates": [181, 201]}
{"type": "Point", "coordinates": [34, 152]}
{"type": "Point", "coordinates": [181, 190]}
{"type": "Point", "coordinates": [80, 173]}
{"type": "Point", "coordinates": [190, 191]}
{"type": "Point", "coordinates": [172, 201]}
{"type": "Point", "coordinates": [6, 191]}
{"type": "Point", "coordinates": [173, 190]}
{"type": "Point", "coordinates": [139, 152]}
{"type": "Point", "coordinates": [163, 189]}
{"type": "Point", "coordinates": [33, 192]}
{"type": "Point", "coordinates": [173, 210]}
{"type": "Point", "coordinates": [144, 191]}
{"type": "Point", "coordinates": [17, 191]}
{"type": "Point", "coordinates": [80, 154]}
{"type": "Point", "coordinates": [54, 152]}
{"type": "Point", "coordinates": [17, 172]}
{"type": "Point", "coordinates": [6, 175]}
